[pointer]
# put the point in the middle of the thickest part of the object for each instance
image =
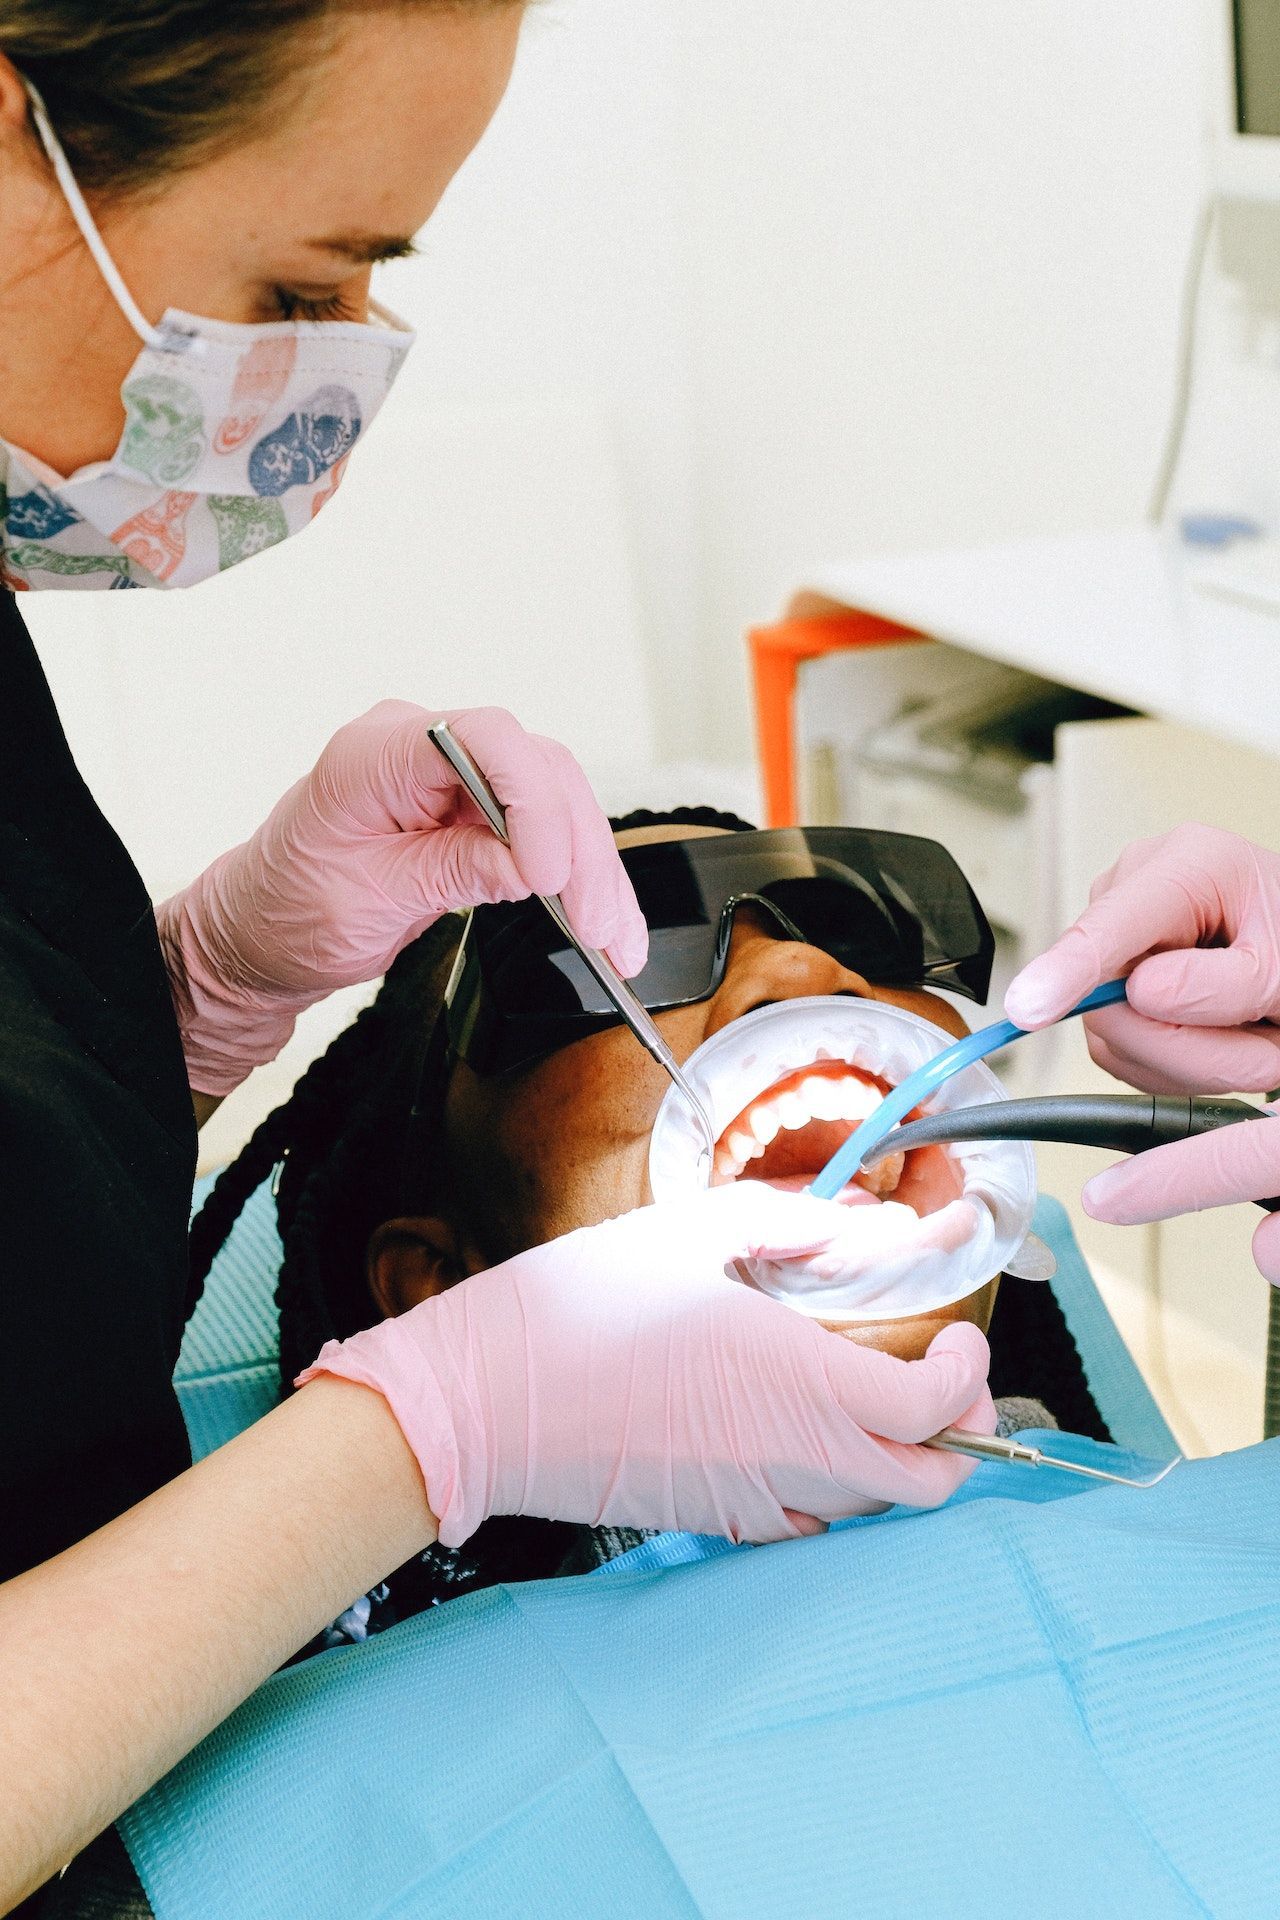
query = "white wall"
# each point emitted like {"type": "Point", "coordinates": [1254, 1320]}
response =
{"type": "Point", "coordinates": [935, 249]}
{"type": "Point", "coordinates": [730, 290]}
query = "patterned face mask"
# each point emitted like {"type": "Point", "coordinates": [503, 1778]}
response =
{"type": "Point", "coordinates": [234, 438]}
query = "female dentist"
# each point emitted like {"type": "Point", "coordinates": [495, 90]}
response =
{"type": "Point", "coordinates": [1193, 918]}
{"type": "Point", "coordinates": [192, 193]}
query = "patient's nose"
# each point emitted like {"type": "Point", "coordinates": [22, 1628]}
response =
{"type": "Point", "coordinates": [763, 968]}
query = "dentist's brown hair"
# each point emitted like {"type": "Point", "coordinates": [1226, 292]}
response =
{"type": "Point", "coordinates": [140, 89]}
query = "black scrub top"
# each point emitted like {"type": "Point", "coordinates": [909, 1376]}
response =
{"type": "Point", "coordinates": [97, 1148]}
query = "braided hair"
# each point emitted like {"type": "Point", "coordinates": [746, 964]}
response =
{"type": "Point", "coordinates": [339, 1141]}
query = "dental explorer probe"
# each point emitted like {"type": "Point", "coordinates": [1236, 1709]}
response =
{"type": "Point", "coordinates": [994, 1446]}
{"type": "Point", "coordinates": [1119, 1122]}
{"type": "Point", "coordinates": [632, 1010]}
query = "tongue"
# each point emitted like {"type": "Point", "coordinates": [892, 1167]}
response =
{"type": "Point", "coordinates": [929, 1180]}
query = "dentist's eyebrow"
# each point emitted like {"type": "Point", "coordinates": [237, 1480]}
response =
{"type": "Point", "coordinates": [364, 249]}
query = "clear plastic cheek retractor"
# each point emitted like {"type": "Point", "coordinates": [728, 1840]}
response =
{"type": "Point", "coordinates": [787, 1080]}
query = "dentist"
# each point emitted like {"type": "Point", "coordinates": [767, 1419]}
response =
{"type": "Point", "coordinates": [192, 195]}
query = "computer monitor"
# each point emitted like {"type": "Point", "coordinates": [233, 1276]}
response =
{"type": "Point", "coordinates": [1257, 64]}
{"type": "Point", "coordinates": [1247, 117]}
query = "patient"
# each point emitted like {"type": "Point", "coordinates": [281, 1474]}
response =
{"type": "Point", "coordinates": [379, 1211]}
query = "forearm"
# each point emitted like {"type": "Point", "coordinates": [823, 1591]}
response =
{"type": "Point", "coordinates": [230, 1018]}
{"type": "Point", "coordinates": [120, 1655]}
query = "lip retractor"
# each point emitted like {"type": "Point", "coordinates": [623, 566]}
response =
{"type": "Point", "coordinates": [891, 1261]}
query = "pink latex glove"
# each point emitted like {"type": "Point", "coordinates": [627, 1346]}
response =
{"type": "Point", "coordinates": [1195, 914]}
{"type": "Point", "coordinates": [360, 857]}
{"type": "Point", "coordinates": [619, 1376]}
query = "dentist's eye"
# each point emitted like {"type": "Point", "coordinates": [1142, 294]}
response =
{"type": "Point", "coordinates": [302, 306]}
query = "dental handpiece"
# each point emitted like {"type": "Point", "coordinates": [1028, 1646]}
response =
{"type": "Point", "coordinates": [1119, 1122]}
{"type": "Point", "coordinates": [631, 1009]}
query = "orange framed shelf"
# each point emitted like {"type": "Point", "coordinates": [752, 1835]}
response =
{"type": "Point", "coordinates": [776, 656]}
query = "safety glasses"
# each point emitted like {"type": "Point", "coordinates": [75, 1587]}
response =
{"type": "Point", "coordinates": [889, 906]}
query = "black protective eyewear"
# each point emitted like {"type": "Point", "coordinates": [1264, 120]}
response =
{"type": "Point", "coordinates": [892, 907]}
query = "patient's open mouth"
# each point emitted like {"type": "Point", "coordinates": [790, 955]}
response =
{"type": "Point", "coordinates": [786, 1135]}
{"type": "Point", "coordinates": [789, 1083]}
{"type": "Point", "coordinates": [789, 1132]}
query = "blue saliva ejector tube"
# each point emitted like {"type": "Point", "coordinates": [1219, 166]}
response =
{"type": "Point", "coordinates": [917, 1086]}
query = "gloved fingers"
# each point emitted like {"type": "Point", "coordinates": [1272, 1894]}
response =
{"type": "Point", "coordinates": [449, 868]}
{"type": "Point", "coordinates": [539, 812]}
{"type": "Point", "coordinates": [1266, 1248]}
{"type": "Point", "coordinates": [1055, 981]}
{"type": "Point", "coordinates": [910, 1400]}
{"type": "Point", "coordinates": [1207, 986]}
{"type": "Point", "coordinates": [931, 1475]}
{"type": "Point", "coordinates": [1236, 1163]}
{"type": "Point", "coordinates": [561, 841]}
{"type": "Point", "coordinates": [805, 1524]}
{"type": "Point", "coordinates": [981, 1417]}
{"type": "Point", "coordinates": [750, 1220]}
{"type": "Point", "coordinates": [1168, 892]}
{"type": "Point", "coordinates": [1155, 903]}
{"type": "Point", "coordinates": [1161, 1058]}
{"type": "Point", "coordinates": [598, 896]}
{"type": "Point", "coordinates": [910, 1475]}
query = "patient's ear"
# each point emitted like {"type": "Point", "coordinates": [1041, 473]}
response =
{"type": "Point", "coordinates": [411, 1260]}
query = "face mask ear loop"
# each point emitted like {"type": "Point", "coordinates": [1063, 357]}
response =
{"type": "Point", "coordinates": [153, 337]}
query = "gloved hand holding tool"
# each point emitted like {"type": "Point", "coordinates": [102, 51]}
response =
{"type": "Point", "coordinates": [618, 1376]}
{"type": "Point", "coordinates": [1195, 914]}
{"type": "Point", "coordinates": [362, 855]}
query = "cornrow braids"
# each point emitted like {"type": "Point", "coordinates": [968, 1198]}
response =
{"type": "Point", "coordinates": [333, 1194]}
{"type": "Point", "coordinates": [297, 1126]}
{"type": "Point", "coordinates": [348, 1092]}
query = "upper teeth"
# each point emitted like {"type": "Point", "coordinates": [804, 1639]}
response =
{"type": "Point", "coordinates": [819, 1097]}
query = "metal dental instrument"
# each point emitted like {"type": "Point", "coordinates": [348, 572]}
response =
{"type": "Point", "coordinates": [1122, 1123]}
{"type": "Point", "coordinates": [632, 1010]}
{"type": "Point", "coordinates": [992, 1446]}
{"type": "Point", "coordinates": [897, 1104]}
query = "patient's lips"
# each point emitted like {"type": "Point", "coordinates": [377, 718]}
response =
{"type": "Point", "coordinates": [789, 1132]}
